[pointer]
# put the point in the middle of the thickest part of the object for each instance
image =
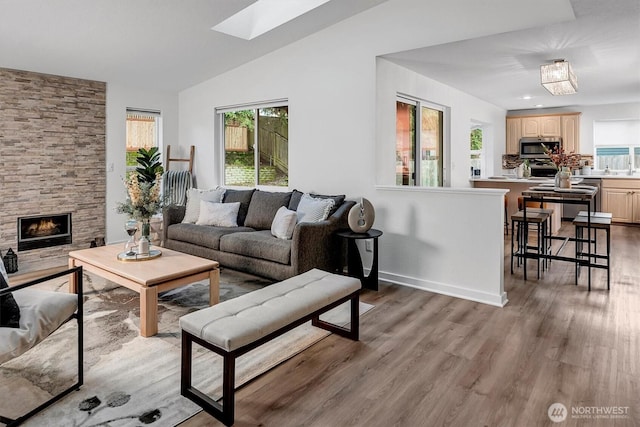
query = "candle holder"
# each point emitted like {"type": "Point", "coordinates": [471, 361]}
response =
{"type": "Point", "coordinates": [10, 261]}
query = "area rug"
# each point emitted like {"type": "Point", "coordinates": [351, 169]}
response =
{"type": "Point", "coordinates": [131, 380]}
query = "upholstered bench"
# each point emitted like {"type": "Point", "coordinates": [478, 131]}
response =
{"type": "Point", "coordinates": [239, 325]}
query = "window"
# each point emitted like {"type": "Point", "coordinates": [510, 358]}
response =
{"type": "Point", "coordinates": [617, 158]}
{"type": "Point", "coordinates": [419, 148]}
{"type": "Point", "coordinates": [616, 144]}
{"type": "Point", "coordinates": [143, 131]}
{"type": "Point", "coordinates": [256, 145]}
{"type": "Point", "coordinates": [475, 139]}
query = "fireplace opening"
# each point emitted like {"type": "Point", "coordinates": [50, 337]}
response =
{"type": "Point", "coordinates": [42, 231]}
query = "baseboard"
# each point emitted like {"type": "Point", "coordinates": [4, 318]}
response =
{"type": "Point", "coordinates": [445, 289]}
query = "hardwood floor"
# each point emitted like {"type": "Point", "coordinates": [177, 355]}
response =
{"type": "Point", "coordinates": [430, 360]}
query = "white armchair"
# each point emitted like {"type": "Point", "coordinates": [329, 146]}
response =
{"type": "Point", "coordinates": [41, 313]}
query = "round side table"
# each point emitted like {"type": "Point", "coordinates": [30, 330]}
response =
{"type": "Point", "coordinates": [354, 260]}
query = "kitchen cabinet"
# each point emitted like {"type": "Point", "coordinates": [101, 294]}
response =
{"type": "Point", "coordinates": [635, 202]}
{"type": "Point", "coordinates": [566, 126]}
{"type": "Point", "coordinates": [570, 133]}
{"type": "Point", "coordinates": [541, 126]}
{"type": "Point", "coordinates": [621, 197]}
{"type": "Point", "coordinates": [514, 133]}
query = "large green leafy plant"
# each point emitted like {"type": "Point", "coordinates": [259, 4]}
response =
{"type": "Point", "coordinates": [149, 164]}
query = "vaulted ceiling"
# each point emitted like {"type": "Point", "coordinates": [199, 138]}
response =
{"type": "Point", "coordinates": [153, 44]}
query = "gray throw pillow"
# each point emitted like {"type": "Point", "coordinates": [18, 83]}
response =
{"type": "Point", "coordinates": [295, 199]}
{"type": "Point", "coordinates": [9, 310]}
{"type": "Point", "coordinates": [242, 196]}
{"type": "Point", "coordinates": [263, 208]}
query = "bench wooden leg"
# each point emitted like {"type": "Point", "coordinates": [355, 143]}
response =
{"type": "Point", "coordinates": [228, 389]}
{"type": "Point", "coordinates": [354, 331]}
{"type": "Point", "coordinates": [223, 412]}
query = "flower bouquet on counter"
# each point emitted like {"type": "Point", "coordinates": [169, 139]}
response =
{"type": "Point", "coordinates": [564, 163]}
{"type": "Point", "coordinates": [561, 159]}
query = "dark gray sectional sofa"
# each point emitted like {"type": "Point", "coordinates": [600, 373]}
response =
{"type": "Point", "coordinates": [250, 246]}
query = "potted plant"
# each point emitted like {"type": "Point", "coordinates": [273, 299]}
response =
{"type": "Point", "coordinates": [143, 192]}
{"type": "Point", "coordinates": [526, 172]}
{"type": "Point", "coordinates": [149, 164]}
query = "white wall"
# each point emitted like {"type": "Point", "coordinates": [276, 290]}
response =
{"type": "Point", "coordinates": [431, 233]}
{"type": "Point", "coordinates": [329, 78]}
{"type": "Point", "coordinates": [392, 79]}
{"type": "Point", "coordinates": [119, 98]}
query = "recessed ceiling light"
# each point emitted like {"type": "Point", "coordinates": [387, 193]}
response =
{"type": "Point", "coordinates": [538, 105]}
{"type": "Point", "coordinates": [526, 97]}
{"type": "Point", "coordinates": [263, 16]}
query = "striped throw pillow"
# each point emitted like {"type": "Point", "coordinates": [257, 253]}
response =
{"type": "Point", "coordinates": [311, 209]}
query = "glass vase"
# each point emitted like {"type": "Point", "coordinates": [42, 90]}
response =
{"type": "Point", "coordinates": [145, 230]}
{"type": "Point", "coordinates": [144, 244]}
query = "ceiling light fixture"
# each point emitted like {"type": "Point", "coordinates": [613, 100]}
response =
{"type": "Point", "coordinates": [263, 16]}
{"type": "Point", "coordinates": [558, 78]}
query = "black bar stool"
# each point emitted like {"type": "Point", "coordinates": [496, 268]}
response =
{"type": "Point", "coordinates": [541, 220]}
{"type": "Point", "coordinates": [599, 221]}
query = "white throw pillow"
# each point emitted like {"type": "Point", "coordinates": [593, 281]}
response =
{"type": "Point", "coordinates": [218, 214]}
{"type": "Point", "coordinates": [311, 209]}
{"type": "Point", "coordinates": [194, 195]}
{"type": "Point", "coordinates": [283, 223]}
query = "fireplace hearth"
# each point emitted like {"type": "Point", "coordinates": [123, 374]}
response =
{"type": "Point", "coordinates": [43, 231]}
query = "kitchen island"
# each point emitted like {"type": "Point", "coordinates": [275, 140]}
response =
{"type": "Point", "coordinates": [580, 195]}
{"type": "Point", "coordinates": [516, 186]}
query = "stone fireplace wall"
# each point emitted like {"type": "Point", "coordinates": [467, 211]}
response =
{"type": "Point", "coordinates": [52, 157]}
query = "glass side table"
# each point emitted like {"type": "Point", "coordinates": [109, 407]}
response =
{"type": "Point", "coordinates": [354, 260]}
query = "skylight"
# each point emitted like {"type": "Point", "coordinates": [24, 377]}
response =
{"type": "Point", "coordinates": [263, 16]}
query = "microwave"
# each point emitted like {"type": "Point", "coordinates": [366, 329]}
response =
{"type": "Point", "coordinates": [531, 148]}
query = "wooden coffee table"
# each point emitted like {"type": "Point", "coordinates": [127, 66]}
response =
{"type": "Point", "coordinates": [169, 271]}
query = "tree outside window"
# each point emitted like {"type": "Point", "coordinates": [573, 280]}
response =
{"type": "Point", "coordinates": [476, 149]}
{"type": "Point", "coordinates": [256, 147]}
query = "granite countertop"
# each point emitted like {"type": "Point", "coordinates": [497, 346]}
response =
{"type": "Point", "coordinates": [618, 176]}
{"type": "Point", "coordinates": [511, 179]}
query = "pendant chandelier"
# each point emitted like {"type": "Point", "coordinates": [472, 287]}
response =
{"type": "Point", "coordinates": [558, 78]}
